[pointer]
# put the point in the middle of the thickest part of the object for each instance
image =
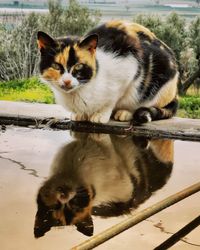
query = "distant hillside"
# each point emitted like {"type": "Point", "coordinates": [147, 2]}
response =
{"type": "Point", "coordinates": [111, 8]}
{"type": "Point", "coordinates": [43, 3]}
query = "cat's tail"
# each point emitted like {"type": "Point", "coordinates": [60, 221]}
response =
{"type": "Point", "coordinates": [147, 114]}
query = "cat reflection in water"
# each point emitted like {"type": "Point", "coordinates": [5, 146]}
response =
{"type": "Point", "coordinates": [102, 175]}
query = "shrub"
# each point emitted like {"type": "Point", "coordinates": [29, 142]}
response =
{"type": "Point", "coordinates": [189, 106]}
{"type": "Point", "coordinates": [74, 20]}
{"type": "Point", "coordinates": [184, 41]}
{"type": "Point", "coordinates": [18, 51]}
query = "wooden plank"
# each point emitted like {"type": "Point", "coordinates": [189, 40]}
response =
{"type": "Point", "coordinates": [40, 116]}
{"type": "Point", "coordinates": [175, 128]}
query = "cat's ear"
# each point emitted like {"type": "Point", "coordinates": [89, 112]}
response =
{"type": "Point", "coordinates": [89, 43]}
{"type": "Point", "coordinates": [45, 41]}
{"type": "Point", "coordinates": [86, 226]}
{"type": "Point", "coordinates": [43, 219]}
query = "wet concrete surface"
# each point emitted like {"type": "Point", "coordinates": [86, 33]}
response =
{"type": "Point", "coordinates": [26, 157]}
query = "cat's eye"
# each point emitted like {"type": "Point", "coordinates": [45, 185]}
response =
{"type": "Point", "coordinates": [56, 66]}
{"type": "Point", "coordinates": [79, 66]}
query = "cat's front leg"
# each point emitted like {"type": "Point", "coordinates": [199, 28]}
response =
{"type": "Point", "coordinates": [101, 116]}
{"type": "Point", "coordinates": [79, 117]}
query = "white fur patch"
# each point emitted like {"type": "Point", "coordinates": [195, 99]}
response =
{"type": "Point", "coordinates": [68, 77]}
{"type": "Point", "coordinates": [148, 116]}
{"type": "Point", "coordinates": [114, 79]}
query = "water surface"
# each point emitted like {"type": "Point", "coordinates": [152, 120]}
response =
{"type": "Point", "coordinates": [92, 181]}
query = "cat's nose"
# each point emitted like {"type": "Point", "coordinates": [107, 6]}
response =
{"type": "Point", "coordinates": [67, 83]}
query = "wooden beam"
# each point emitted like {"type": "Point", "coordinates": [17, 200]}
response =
{"type": "Point", "coordinates": [175, 128]}
{"type": "Point", "coordinates": [40, 116]}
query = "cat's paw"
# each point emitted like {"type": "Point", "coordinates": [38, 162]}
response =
{"type": "Point", "coordinates": [99, 118]}
{"type": "Point", "coordinates": [123, 115]}
{"type": "Point", "coordinates": [78, 117]}
{"type": "Point", "coordinates": [142, 115]}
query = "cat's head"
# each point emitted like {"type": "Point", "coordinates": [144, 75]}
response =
{"type": "Point", "coordinates": [60, 205]}
{"type": "Point", "coordinates": [67, 63]}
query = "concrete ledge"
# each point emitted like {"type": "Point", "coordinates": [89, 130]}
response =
{"type": "Point", "coordinates": [33, 110]}
{"type": "Point", "coordinates": [39, 115]}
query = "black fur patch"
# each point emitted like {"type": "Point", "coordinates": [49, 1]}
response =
{"type": "Point", "coordinates": [158, 171]}
{"type": "Point", "coordinates": [143, 37]}
{"type": "Point", "coordinates": [86, 226]}
{"type": "Point", "coordinates": [69, 215]}
{"type": "Point", "coordinates": [142, 113]}
{"type": "Point", "coordinates": [138, 72]}
{"type": "Point", "coordinates": [172, 106]}
{"type": "Point", "coordinates": [44, 219]}
{"type": "Point", "coordinates": [66, 41]}
{"type": "Point", "coordinates": [84, 74]}
{"type": "Point", "coordinates": [161, 70]}
{"type": "Point", "coordinates": [73, 59]}
{"type": "Point", "coordinates": [47, 58]}
{"type": "Point", "coordinates": [115, 41]}
{"type": "Point", "coordinates": [112, 209]}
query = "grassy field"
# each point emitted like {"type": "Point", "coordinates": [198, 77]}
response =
{"type": "Point", "coordinates": [189, 106]}
{"type": "Point", "coordinates": [32, 90]}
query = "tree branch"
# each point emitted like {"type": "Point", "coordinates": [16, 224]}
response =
{"type": "Point", "coordinates": [188, 82]}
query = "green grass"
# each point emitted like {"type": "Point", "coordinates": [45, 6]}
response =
{"type": "Point", "coordinates": [189, 106]}
{"type": "Point", "coordinates": [29, 90]}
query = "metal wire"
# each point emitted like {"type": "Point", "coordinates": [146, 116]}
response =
{"type": "Point", "coordinates": [136, 218]}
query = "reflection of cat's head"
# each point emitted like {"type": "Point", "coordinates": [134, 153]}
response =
{"type": "Point", "coordinates": [101, 175]}
{"type": "Point", "coordinates": [60, 204]}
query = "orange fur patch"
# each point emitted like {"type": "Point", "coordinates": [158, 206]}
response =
{"type": "Point", "coordinates": [163, 149]}
{"type": "Point", "coordinates": [167, 94]}
{"type": "Point", "coordinates": [59, 215]}
{"type": "Point", "coordinates": [135, 28]}
{"type": "Point", "coordinates": [41, 43]}
{"type": "Point", "coordinates": [62, 57]}
{"type": "Point", "coordinates": [130, 28]}
{"type": "Point", "coordinates": [51, 74]}
{"type": "Point", "coordinates": [149, 73]}
{"type": "Point", "coordinates": [82, 215]}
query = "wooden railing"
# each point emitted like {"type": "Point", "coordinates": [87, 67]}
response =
{"type": "Point", "coordinates": [53, 116]}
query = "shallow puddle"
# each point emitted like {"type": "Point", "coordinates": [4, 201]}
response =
{"type": "Point", "coordinates": [90, 182]}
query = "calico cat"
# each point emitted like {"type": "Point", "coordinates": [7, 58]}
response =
{"type": "Point", "coordinates": [119, 69]}
{"type": "Point", "coordinates": [103, 175]}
